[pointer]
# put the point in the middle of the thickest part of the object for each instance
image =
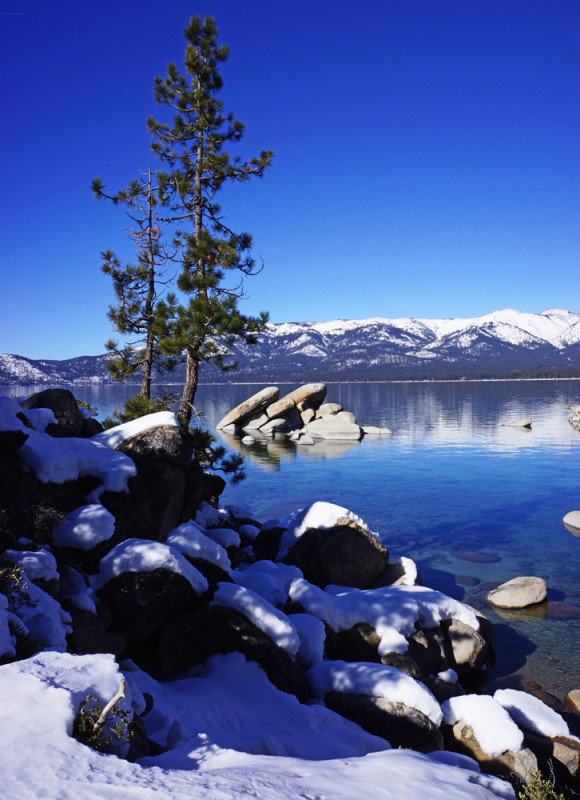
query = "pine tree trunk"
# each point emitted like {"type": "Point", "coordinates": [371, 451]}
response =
{"type": "Point", "coordinates": [147, 365]}
{"type": "Point", "coordinates": [190, 388]}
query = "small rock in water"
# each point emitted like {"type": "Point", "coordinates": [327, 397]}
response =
{"type": "Point", "coordinates": [476, 556]}
{"type": "Point", "coordinates": [572, 522]}
{"type": "Point", "coordinates": [466, 580]}
{"type": "Point", "coordinates": [521, 423]}
{"type": "Point", "coordinates": [572, 700]}
{"type": "Point", "coordinates": [558, 609]}
{"type": "Point", "coordinates": [519, 593]}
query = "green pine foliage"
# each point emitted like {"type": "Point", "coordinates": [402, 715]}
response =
{"type": "Point", "coordinates": [214, 260]}
{"type": "Point", "coordinates": [107, 738]}
{"type": "Point", "coordinates": [539, 788]}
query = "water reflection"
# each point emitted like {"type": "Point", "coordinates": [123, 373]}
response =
{"type": "Point", "coordinates": [270, 452]}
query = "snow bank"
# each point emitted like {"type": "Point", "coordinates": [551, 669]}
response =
{"type": "Point", "coordinates": [75, 590]}
{"type": "Point", "coordinates": [84, 527]}
{"type": "Point", "coordinates": [391, 610]}
{"type": "Point", "coordinates": [274, 623]}
{"type": "Point", "coordinates": [6, 640]}
{"type": "Point", "coordinates": [492, 725]}
{"type": "Point", "coordinates": [270, 580]}
{"type": "Point", "coordinates": [226, 537]}
{"type": "Point", "coordinates": [37, 564]}
{"type": "Point", "coordinates": [190, 540]}
{"type": "Point", "coordinates": [39, 418]}
{"type": "Point", "coordinates": [312, 635]}
{"type": "Point", "coordinates": [318, 515]}
{"type": "Point", "coordinates": [120, 433]}
{"type": "Point", "coordinates": [43, 618]}
{"type": "Point", "coordinates": [145, 555]}
{"type": "Point", "coordinates": [529, 712]}
{"type": "Point", "coordinates": [374, 680]}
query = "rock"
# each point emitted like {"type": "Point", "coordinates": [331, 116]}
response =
{"type": "Point", "coordinates": [89, 634]}
{"type": "Point", "coordinates": [359, 643]}
{"type": "Point", "coordinates": [442, 690]}
{"type": "Point", "coordinates": [372, 430]}
{"type": "Point", "coordinates": [346, 555]}
{"type": "Point", "coordinates": [559, 755]}
{"type": "Point", "coordinates": [307, 415]}
{"type": "Point", "coordinates": [469, 648]}
{"type": "Point", "coordinates": [574, 419]}
{"type": "Point", "coordinates": [278, 424]}
{"type": "Point", "coordinates": [519, 593]}
{"type": "Point", "coordinates": [253, 423]}
{"type": "Point", "coordinates": [399, 724]}
{"type": "Point", "coordinates": [11, 441]}
{"type": "Point", "coordinates": [250, 407]}
{"type": "Point", "coordinates": [476, 556]}
{"type": "Point", "coordinates": [572, 700]}
{"type": "Point", "coordinates": [305, 440]}
{"type": "Point", "coordinates": [328, 408]}
{"type": "Point", "coordinates": [460, 737]}
{"type": "Point", "coordinates": [331, 427]}
{"type": "Point", "coordinates": [314, 393]}
{"type": "Point", "coordinates": [346, 416]}
{"type": "Point", "coordinates": [190, 639]}
{"type": "Point", "coordinates": [572, 522]}
{"type": "Point", "coordinates": [142, 602]}
{"type": "Point", "coordinates": [521, 423]}
{"type": "Point", "coordinates": [266, 543]}
{"type": "Point", "coordinates": [64, 406]}
{"type": "Point", "coordinates": [431, 650]}
{"type": "Point", "coordinates": [168, 443]}
{"type": "Point", "coordinates": [91, 427]}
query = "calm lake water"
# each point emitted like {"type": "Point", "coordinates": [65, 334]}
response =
{"type": "Point", "coordinates": [473, 503]}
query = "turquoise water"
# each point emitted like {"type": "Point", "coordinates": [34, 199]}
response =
{"type": "Point", "coordinates": [448, 480]}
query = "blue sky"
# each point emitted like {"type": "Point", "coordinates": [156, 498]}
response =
{"type": "Point", "coordinates": [427, 155]}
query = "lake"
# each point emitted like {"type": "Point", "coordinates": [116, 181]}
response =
{"type": "Point", "coordinates": [472, 502]}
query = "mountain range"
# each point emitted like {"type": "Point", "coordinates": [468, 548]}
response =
{"type": "Point", "coordinates": [504, 343]}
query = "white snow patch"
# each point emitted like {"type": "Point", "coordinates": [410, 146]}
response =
{"type": "Point", "coordinates": [492, 725]}
{"type": "Point", "coordinates": [319, 515]}
{"type": "Point", "coordinates": [209, 517]}
{"type": "Point", "coordinates": [39, 565]}
{"type": "Point", "coordinates": [39, 418]}
{"type": "Point", "coordinates": [312, 635]}
{"type": "Point", "coordinates": [226, 537]}
{"type": "Point", "coordinates": [374, 680]}
{"type": "Point", "coordinates": [190, 540]}
{"type": "Point", "coordinates": [75, 590]}
{"type": "Point", "coordinates": [6, 639]}
{"type": "Point", "coordinates": [44, 619]}
{"type": "Point", "coordinates": [145, 555]}
{"type": "Point", "coordinates": [529, 712]}
{"type": "Point", "coordinates": [84, 527]}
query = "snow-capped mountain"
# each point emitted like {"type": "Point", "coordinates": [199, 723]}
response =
{"type": "Point", "coordinates": [503, 343]}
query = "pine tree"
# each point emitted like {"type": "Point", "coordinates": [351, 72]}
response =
{"type": "Point", "coordinates": [138, 287]}
{"type": "Point", "coordinates": [197, 166]}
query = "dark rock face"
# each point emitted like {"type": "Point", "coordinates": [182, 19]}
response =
{"type": "Point", "coordinates": [358, 643]}
{"type": "Point", "coordinates": [266, 544]}
{"type": "Point", "coordinates": [398, 723]}
{"type": "Point", "coordinates": [90, 635]}
{"type": "Point", "coordinates": [63, 404]}
{"type": "Point", "coordinates": [166, 491]}
{"type": "Point", "coordinates": [192, 638]}
{"type": "Point", "coordinates": [142, 602]}
{"type": "Point", "coordinates": [11, 441]}
{"type": "Point", "coordinates": [430, 650]}
{"type": "Point", "coordinates": [346, 555]}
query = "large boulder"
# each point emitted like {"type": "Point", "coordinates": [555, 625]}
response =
{"type": "Point", "coordinates": [469, 649]}
{"type": "Point", "coordinates": [331, 426]}
{"type": "Point", "coordinates": [311, 394]}
{"type": "Point", "coordinates": [519, 593]}
{"type": "Point", "coordinates": [522, 763]}
{"type": "Point", "coordinates": [168, 487]}
{"type": "Point", "coordinates": [250, 407]}
{"type": "Point", "coordinates": [64, 406]}
{"type": "Point", "coordinates": [398, 723]}
{"type": "Point", "coordinates": [191, 638]}
{"type": "Point", "coordinates": [345, 554]}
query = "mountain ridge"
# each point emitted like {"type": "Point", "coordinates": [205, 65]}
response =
{"type": "Point", "coordinates": [505, 343]}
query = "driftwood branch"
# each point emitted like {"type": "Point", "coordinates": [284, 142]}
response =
{"type": "Point", "coordinates": [105, 712]}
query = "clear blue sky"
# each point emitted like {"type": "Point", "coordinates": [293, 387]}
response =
{"type": "Point", "coordinates": [427, 155]}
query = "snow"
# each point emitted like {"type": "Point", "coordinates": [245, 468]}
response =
{"type": "Point", "coordinates": [319, 515]}
{"type": "Point", "coordinates": [37, 564]}
{"type": "Point", "coordinates": [529, 712]}
{"type": "Point", "coordinates": [60, 460]}
{"type": "Point", "coordinates": [209, 517]}
{"type": "Point", "coordinates": [249, 531]}
{"type": "Point", "coordinates": [226, 537]}
{"type": "Point", "coordinates": [6, 640]}
{"type": "Point", "coordinates": [43, 618]}
{"type": "Point", "coordinates": [391, 610]}
{"type": "Point", "coordinates": [144, 555]}
{"type": "Point", "coordinates": [75, 590]}
{"type": "Point", "coordinates": [411, 573]}
{"type": "Point", "coordinates": [39, 418]}
{"type": "Point", "coordinates": [120, 433]}
{"type": "Point", "coordinates": [374, 680]}
{"type": "Point", "coordinates": [84, 527]}
{"type": "Point", "coordinates": [312, 635]}
{"type": "Point", "coordinates": [263, 614]}
{"type": "Point", "coordinates": [492, 725]}
{"type": "Point", "coordinates": [240, 737]}
{"type": "Point", "coordinates": [190, 540]}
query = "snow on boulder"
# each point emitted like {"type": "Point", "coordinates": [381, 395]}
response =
{"type": "Point", "coordinates": [393, 611]}
{"type": "Point", "coordinates": [44, 619]}
{"type": "Point", "coordinates": [263, 614]}
{"type": "Point", "coordinates": [84, 527]}
{"type": "Point", "coordinates": [39, 418]}
{"type": "Point", "coordinates": [319, 515]}
{"type": "Point", "coordinates": [312, 635]}
{"type": "Point", "coordinates": [39, 565]}
{"type": "Point", "coordinates": [67, 459]}
{"type": "Point", "coordinates": [120, 433]}
{"type": "Point", "coordinates": [144, 555]}
{"type": "Point", "coordinates": [225, 537]}
{"type": "Point", "coordinates": [531, 713]}
{"type": "Point", "coordinates": [492, 726]}
{"type": "Point", "coordinates": [374, 680]}
{"type": "Point", "coordinates": [190, 540]}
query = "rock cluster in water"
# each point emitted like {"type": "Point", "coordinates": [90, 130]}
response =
{"type": "Point", "coordinates": [301, 414]}
{"type": "Point", "coordinates": [155, 572]}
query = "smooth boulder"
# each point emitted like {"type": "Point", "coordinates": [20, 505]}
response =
{"type": "Point", "coordinates": [253, 405]}
{"type": "Point", "coordinates": [519, 593]}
